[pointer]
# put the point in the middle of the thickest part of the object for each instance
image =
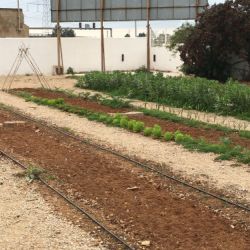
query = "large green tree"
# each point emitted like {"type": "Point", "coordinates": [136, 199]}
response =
{"type": "Point", "coordinates": [220, 33]}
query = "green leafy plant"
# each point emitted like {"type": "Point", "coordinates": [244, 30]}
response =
{"type": "Point", "coordinates": [131, 125]}
{"type": "Point", "coordinates": [138, 127]}
{"type": "Point", "coordinates": [168, 136]}
{"type": "Point", "coordinates": [124, 122]}
{"type": "Point", "coordinates": [148, 131]}
{"type": "Point", "coordinates": [157, 131]}
{"type": "Point", "coordinates": [231, 98]}
{"type": "Point", "coordinates": [116, 122]}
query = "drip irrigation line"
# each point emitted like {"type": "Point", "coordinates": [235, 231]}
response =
{"type": "Point", "coordinates": [69, 201]}
{"type": "Point", "coordinates": [140, 164]}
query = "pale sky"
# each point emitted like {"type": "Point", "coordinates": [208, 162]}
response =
{"type": "Point", "coordinates": [33, 10]}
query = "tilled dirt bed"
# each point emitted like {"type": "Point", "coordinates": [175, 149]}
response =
{"type": "Point", "coordinates": [211, 135]}
{"type": "Point", "coordinates": [142, 207]}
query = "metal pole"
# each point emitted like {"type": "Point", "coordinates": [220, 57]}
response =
{"type": "Point", "coordinates": [103, 66]}
{"type": "Point", "coordinates": [148, 37]}
{"type": "Point", "coordinates": [18, 17]}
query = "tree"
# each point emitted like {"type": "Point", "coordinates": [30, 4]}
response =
{"type": "Point", "coordinates": [142, 35]}
{"type": "Point", "coordinates": [64, 32]}
{"type": "Point", "coordinates": [179, 37]}
{"type": "Point", "coordinates": [220, 33]}
{"type": "Point", "coordinates": [127, 35]}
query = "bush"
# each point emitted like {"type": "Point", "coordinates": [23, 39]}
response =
{"type": "Point", "coordinates": [138, 127]}
{"type": "Point", "coordinates": [157, 131]}
{"type": "Point", "coordinates": [70, 71]}
{"type": "Point", "coordinates": [168, 136]}
{"type": "Point", "coordinates": [148, 131]}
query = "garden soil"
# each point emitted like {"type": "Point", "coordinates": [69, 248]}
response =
{"type": "Point", "coordinates": [137, 204]}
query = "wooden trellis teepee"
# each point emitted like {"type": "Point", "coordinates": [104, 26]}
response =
{"type": "Point", "coordinates": [24, 54]}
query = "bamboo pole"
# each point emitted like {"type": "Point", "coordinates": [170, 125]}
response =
{"type": "Point", "coordinates": [148, 37]}
{"type": "Point", "coordinates": [59, 44]}
{"type": "Point", "coordinates": [103, 66]}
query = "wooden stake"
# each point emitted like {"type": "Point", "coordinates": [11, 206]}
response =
{"type": "Point", "coordinates": [103, 66]}
{"type": "Point", "coordinates": [59, 44]}
{"type": "Point", "coordinates": [148, 37]}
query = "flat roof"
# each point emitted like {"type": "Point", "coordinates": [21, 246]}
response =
{"type": "Point", "coordinates": [10, 9]}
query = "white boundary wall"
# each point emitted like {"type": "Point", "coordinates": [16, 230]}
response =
{"type": "Point", "coordinates": [83, 54]}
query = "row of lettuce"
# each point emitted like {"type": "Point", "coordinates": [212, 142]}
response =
{"type": "Point", "coordinates": [231, 98]}
{"type": "Point", "coordinates": [225, 149]}
{"type": "Point", "coordinates": [117, 102]}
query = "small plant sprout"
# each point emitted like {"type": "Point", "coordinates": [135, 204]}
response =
{"type": "Point", "coordinates": [33, 173]}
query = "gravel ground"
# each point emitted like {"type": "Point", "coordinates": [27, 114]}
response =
{"type": "Point", "coordinates": [62, 82]}
{"type": "Point", "coordinates": [27, 222]}
{"type": "Point", "coordinates": [227, 175]}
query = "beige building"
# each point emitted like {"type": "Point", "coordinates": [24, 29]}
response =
{"type": "Point", "coordinates": [12, 23]}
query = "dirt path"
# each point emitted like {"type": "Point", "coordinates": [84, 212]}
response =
{"type": "Point", "coordinates": [27, 222]}
{"type": "Point", "coordinates": [201, 168]}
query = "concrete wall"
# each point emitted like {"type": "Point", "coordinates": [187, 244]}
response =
{"type": "Point", "coordinates": [83, 54]}
{"type": "Point", "coordinates": [9, 24]}
{"type": "Point", "coordinates": [165, 60]}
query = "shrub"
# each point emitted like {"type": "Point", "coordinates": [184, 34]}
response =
{"type": "Point", "coordinates": [168, 136]}
{"type": "Point", "coordinates": [70, 71]}
{"type": "Point", "coordinates": [157, 131]}
{"type": "Point", "coordinates": [148, 131]}
{"type": "Point", "coordinates": [138, 127]}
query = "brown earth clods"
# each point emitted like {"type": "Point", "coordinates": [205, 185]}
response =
{"type": "Point", "coordinates": [137, 204]}
{"type": "Point", "coordinates": [210, 135]}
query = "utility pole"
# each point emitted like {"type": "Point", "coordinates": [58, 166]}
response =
{"type": "Point", "coordinates": [103, 64]}
{"type": "Point", "coordinates": [18, 17]}
{"type": "Point", "coordinates": [148, 37]}
{"type": "Point", "coordinates": [59, 70]}
{"type": "Point", "coordinates": [135, 28]}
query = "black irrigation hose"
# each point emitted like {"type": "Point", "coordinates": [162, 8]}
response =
{"type": "Point", "coordinates": [142, 165]}
{"type": "Point", "coordinates": [114, 236]}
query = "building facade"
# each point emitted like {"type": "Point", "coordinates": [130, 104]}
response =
{"type": "Point", "coordinates": [12, 23]}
